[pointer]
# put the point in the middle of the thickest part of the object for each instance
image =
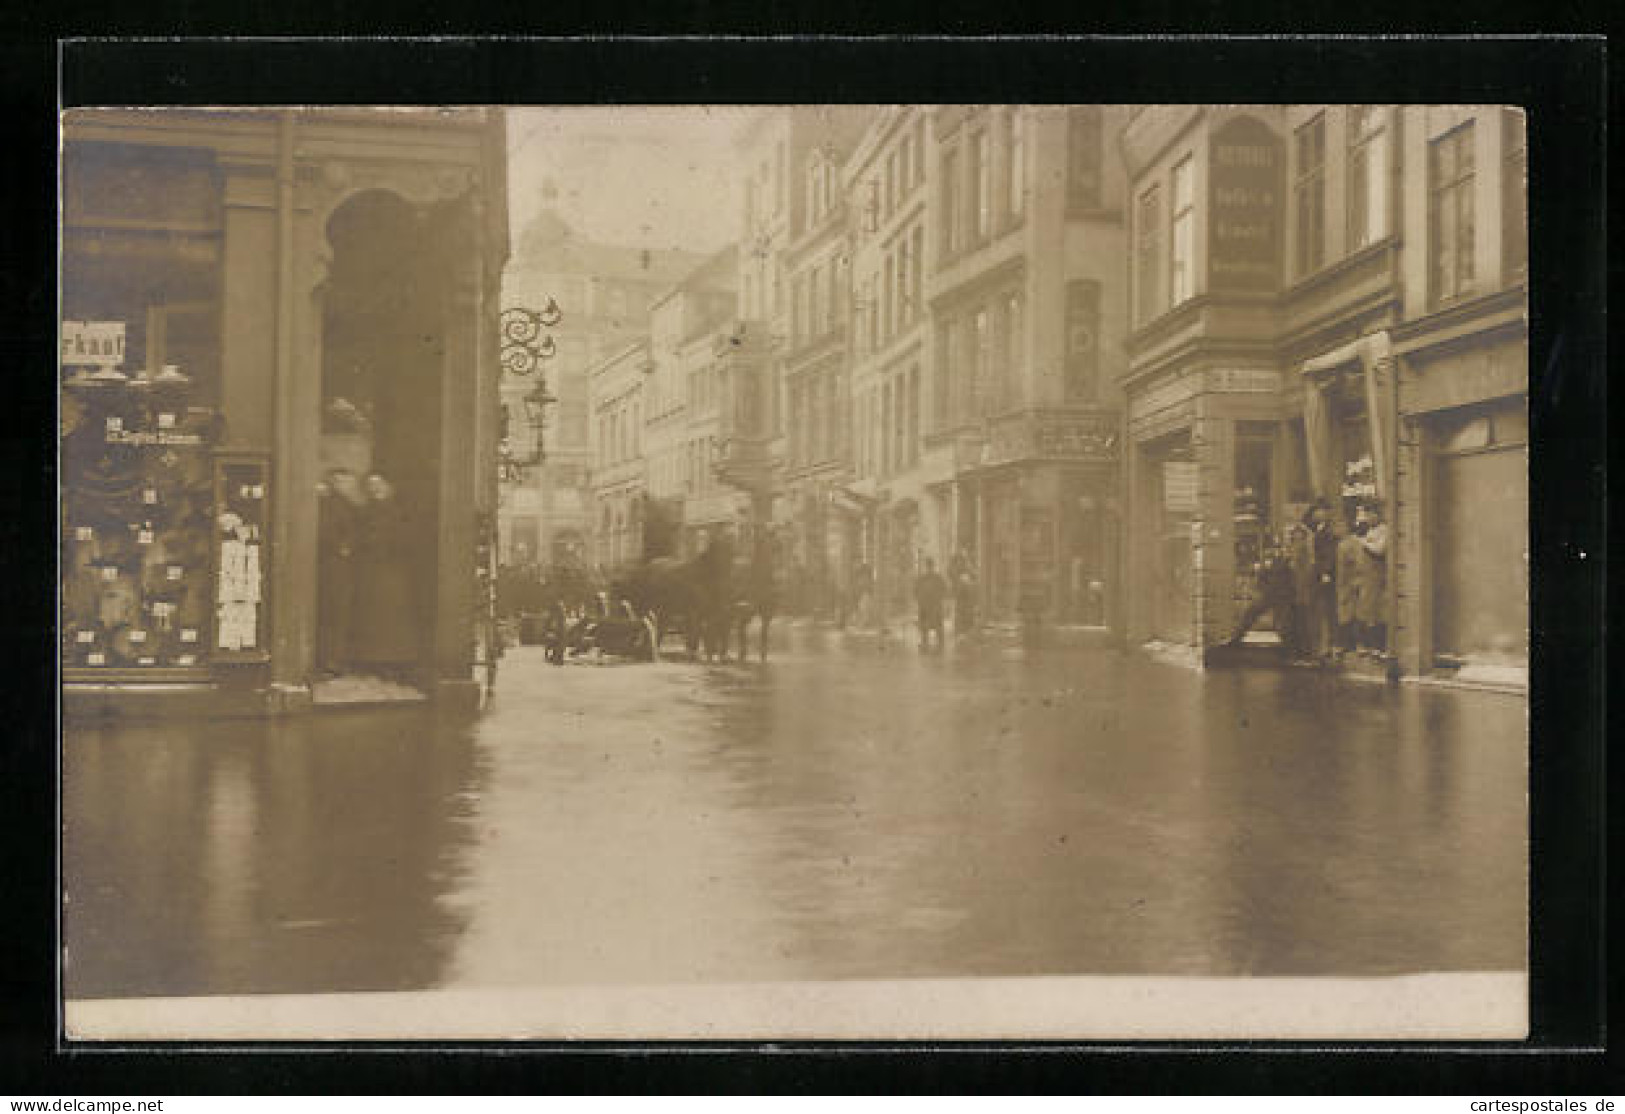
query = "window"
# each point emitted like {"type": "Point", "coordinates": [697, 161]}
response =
{"type": "Point", "coordinates": [832, 303]}
{"type": "Point", "coordinates": [1450, 213]}
{"type": "Point", "coordinates": [888, 403]}
{"type": "Point", "coordinates": [891, 182]}
{"type": "Point", "coordinates": [981, 206]}
{"type": "Point", "coordinates": [902, 283]}
{"type": "Point", "coordinates": [950, 204]}
{"type": "Point", "coordinates": [1182, 272]}
{"type": "Point", "coordinates": [1368, 176]}
{"type": "Point", "coordinates": [888, 284]}
{"type": "Point", "coordinates": [916, 267]}
{"type": "Point", "coordinates": [913, 414]}
{"type": "Point", "coordinates": [1309, 195]}
{"type": "Point", "coordinates": [945, 372]}
{"type": "Point", "coordinates": [1148, 251]}
{"type": "Point", "coordinates": [815, 312]}
{"type": "Point", "coordinates": [1514, 186]}
{"type": "Point", "coordinates": [905, 161]}
{"type": "Point", "coordinates": [798, 308]}
{"type": "Point", "coordinates": [1014, 348]}
{"type": "Point", "coordinates": [1083, 147]}
{"type": "Point", "coordinates": [981, 358]}
{"type": "Point", "coordinates": [872, 310]}
{"type": "Point", "coordinates": [1018, 167]}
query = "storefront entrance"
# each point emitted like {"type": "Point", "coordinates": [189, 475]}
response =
{"type": "Point", "coordinates": [1481, 571]}
{"type": "Point", "coordinates": [1175, 506]}
{"type": "Point", "coordinates": [383, 349]}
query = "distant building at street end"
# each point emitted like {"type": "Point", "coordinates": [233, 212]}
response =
{"type": "Point", "coordinates": [604, 292]}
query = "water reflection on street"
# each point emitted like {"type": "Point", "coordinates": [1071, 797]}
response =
{"type": "Point", "coordinates": [842, 811]}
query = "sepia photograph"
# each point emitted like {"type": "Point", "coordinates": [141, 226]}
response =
{"type": "Point", "coordinates": [898, 572]}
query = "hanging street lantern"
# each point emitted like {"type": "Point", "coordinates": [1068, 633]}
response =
{"type": "Point", "coordinates": [525, 345]}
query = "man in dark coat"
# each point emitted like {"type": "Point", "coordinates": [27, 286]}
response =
{"type": "Point", "coordinates": [930, 589]}
{"type": "Point", "coordinates": [1277, 591]}
{"type": "Point", "coordinates": [338, 521]}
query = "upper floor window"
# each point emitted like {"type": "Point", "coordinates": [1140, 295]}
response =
{"type": "Point", "coordinates": [950, 203]}
{"type": "Point", "coordinates": [1083, 157]}
{"type": "Point", "coordinates": [1148, 255]}
{"type": "Point", "coordinates": [1514, 194]}
{"type": "Point", "coordinates": [1182, 271]}
{"type": "Point", "coordinates": [916, 261]}
{"type": "Point", "coordinates": [1368, 176]}
{"type": "Point", "coordinates": [1309, 195]}
{"type": "Point", "coordinates": [979, 394]}
{"type": "Point", "coordinates": [1018, 166]}
{"type": "Point", "coordinates": [981, 207]}
{"type": "Point", "coordinates": [1450, 213]}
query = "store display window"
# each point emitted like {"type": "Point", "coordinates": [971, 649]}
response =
{"type": "Point", "coordinates": [139, 378]}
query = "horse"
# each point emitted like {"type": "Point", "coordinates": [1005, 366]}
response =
{"type": "Point", "coordinates": [755, 596]}
{"type": "Point", "coordinates": [690, 597]}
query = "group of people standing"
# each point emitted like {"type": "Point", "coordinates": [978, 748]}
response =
{"type": "Point", "coordinates": [931, 592]}
{"type": "Point", "coordinates": [366, 609]}
{"type": "Point", "coordinates": [1326, 584]}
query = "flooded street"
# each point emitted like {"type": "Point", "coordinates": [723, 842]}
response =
{"type": "Point", "coordinates": [840, 812]}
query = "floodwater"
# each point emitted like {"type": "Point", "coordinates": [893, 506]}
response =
{"type": "Point", "coordinates": [844, 811]}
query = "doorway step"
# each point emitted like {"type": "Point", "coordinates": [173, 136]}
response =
{"type": "Point", "coordinates": [354, 690]}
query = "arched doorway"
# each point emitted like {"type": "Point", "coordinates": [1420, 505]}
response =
{"type": "Point", "coordinates": [383, 349]}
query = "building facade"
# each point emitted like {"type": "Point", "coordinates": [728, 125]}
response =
{"type": "Point", "coordinates": [604, 292]}
{"type": "Point", "coordinates": [689, 326]}
{"type": "Point", "coordinates": [619, 474]}
{"type": "Point", "coordinates": [776, 149]}
{"type": "Point", "coordinates": [1027, 308]}
{"type": "Point", "coordinates": [1323, 299]}
{"type": "Point", "coordinates": [251, 299]}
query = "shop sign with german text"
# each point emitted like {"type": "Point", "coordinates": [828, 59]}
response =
{"type": "Point", "coordinates": [1246, 180]}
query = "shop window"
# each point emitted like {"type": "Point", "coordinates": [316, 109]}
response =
{"type": "Point", "coordinates": [1309, 195]}
{"type": "Point", "coordinates": [1450, 213]}
{"type": "Point", "coordinates": [1182, 272]}
{"type": "Point", "coordinates": [1368, 176]}
{"type": "Point", "coordinates": [140, 363]}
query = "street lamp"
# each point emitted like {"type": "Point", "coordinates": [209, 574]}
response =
{"type": "Point", "coordinates": [525, 344]}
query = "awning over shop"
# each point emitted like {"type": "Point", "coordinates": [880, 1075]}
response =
{"type": "Point", "coordinates": [1325, 455]}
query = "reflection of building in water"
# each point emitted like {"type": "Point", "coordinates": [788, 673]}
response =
{"type": "Point", "coordinates": [1330, 303]}
{"type": "Point", "coordinates": [296, 292]}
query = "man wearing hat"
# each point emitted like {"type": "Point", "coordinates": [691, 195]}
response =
{"type": "Point", "coordinates": [338, 519]}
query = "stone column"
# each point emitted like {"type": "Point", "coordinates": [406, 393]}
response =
{"type": "Point", "coordinates": [461, 487]}
{"type": "Point", "coordinates": [1213, 548]}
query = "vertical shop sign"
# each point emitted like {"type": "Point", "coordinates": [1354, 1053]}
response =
{"type": "Point", "coordinates": [1246, 200]}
